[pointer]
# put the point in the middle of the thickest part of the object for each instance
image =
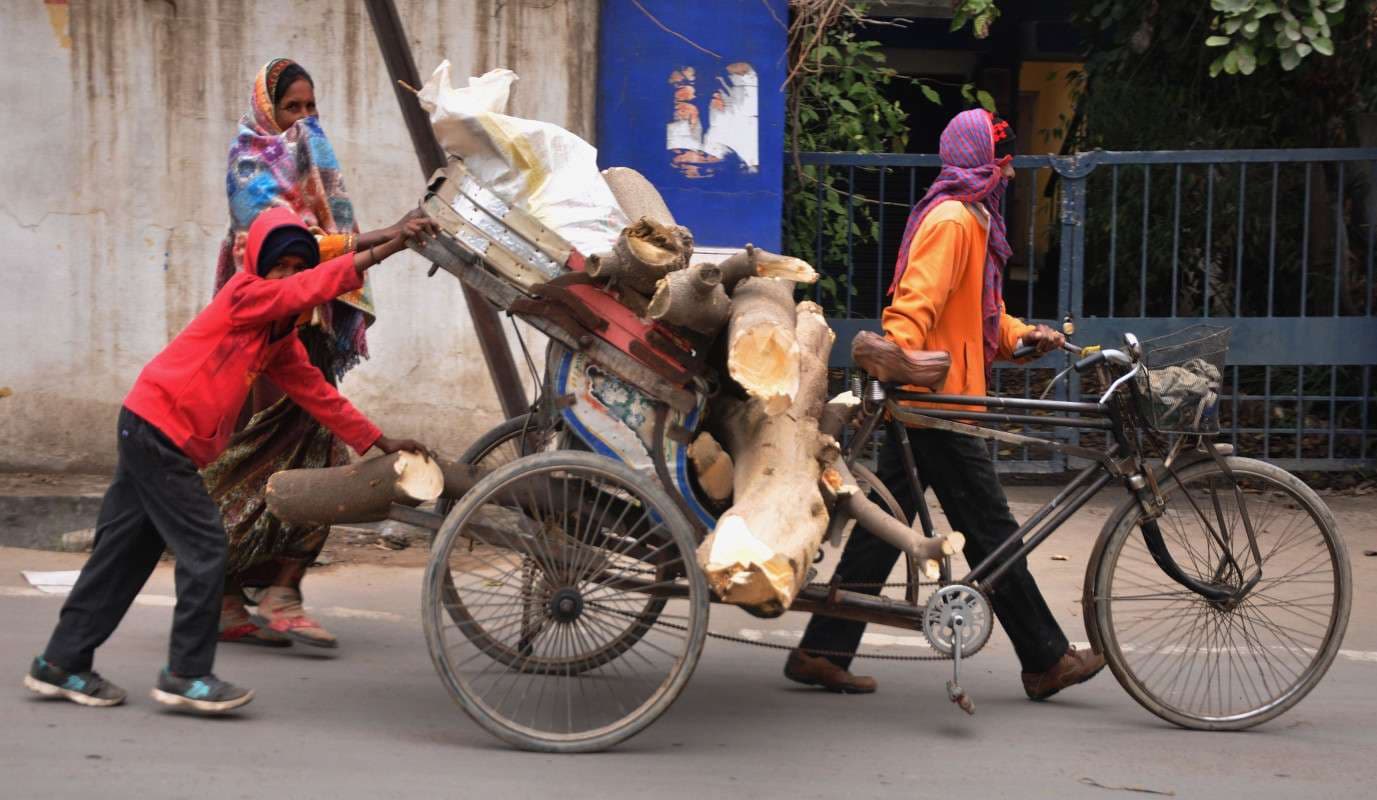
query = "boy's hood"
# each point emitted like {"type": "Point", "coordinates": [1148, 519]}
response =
{"type": "Point", "coordinates": [267, 222]}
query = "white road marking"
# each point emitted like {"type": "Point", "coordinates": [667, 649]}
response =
{"type": "Point", "coordinates": [169, 601]}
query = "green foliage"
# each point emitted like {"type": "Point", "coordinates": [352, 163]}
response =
{"type": "Point", "coordinates": [1258, 31]}
{"type": "Point", "coordinates": [838, 103]}
{"type": "Point", "coordinates": [980, 14]}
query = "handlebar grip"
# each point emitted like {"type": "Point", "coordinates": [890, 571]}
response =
{"type": "Point", "coordinates": [1025, 351]}
{"type": "Point", "coordinates": [1090, 360]}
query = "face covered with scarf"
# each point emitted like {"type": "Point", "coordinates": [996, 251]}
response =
{"type": "Point", "coordinates": [295, 167]}
{"type": "Point", "coordinates": [976, 150]}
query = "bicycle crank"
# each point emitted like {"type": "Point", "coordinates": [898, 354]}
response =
{"type": "Point", "coordinates": [957, 622]}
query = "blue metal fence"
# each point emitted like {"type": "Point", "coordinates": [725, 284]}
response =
{"type": "Point", "coordinates": [1276, 244]}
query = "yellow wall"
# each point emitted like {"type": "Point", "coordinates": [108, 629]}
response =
{"type": "Point", "coordinates": [1048, 80]}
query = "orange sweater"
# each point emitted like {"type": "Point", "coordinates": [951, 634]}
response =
{"type": "Point", "coordinates": [937, 303]}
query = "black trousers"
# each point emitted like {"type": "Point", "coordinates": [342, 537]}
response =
{"type": "Point", "coordinates": [959, 470]}
{"type": "Point", "coordinates": [157, 499]}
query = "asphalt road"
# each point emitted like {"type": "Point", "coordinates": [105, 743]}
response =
{"type": "Point", "coordinates": [372, 719]}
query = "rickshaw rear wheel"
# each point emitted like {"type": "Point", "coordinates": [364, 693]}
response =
{"type": "Point", "coordinates": [555, 556]}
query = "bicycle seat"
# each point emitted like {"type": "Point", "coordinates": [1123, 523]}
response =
{"type": "Point", "coordinates": [886, 361]}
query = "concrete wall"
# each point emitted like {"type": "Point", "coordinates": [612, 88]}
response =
{"type": "Point", "coordinates": [115, 122]}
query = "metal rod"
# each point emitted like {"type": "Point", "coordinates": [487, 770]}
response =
{"type": "Point", "coordinates": [1143, 268]}
{"type": "Point", "coordinates": [1000, 556]}
{"type": "Point", "coordinates": [1340, 245]}
{"type": "Point", "coordinates": [492, 340]}
{"type": "Point", "coordinates": [1333, 408]}
{"type": "Point", "coordinates": [1363, 409]}
{"type": "Point", "coordinates": [1113, 237]}
{"type": "Point", "coordinates": [1209, 234]}
{"type": "Point", "coordinates": [1272, 243]}
{"type": "Point", "coordinates": [1175, 237]}
{"type": "Point", "coordinates": [1371, 235]}
{"type": "Point", "coordinates": [1234, 414]}
{"type": "Point", "coordinates": [1305, 242]}
{"type": "Point", "coordinates": [1050, 527]}
{"type": "Point", "coordinates": [1032, 246]}
{"type": "Point", "coordinates": [1238, 256]}
{"type": "Point", "coordinates": [1000, 402]}
{"type": "Point", "coordinates": [1266, 411]}
{"type": "Point", "coordinates": [858, 606]}
{"type": "Point", "coordinates": [1300, 406]}
{"type": "Point", "coordinates": [1018, 419]}
{"type": "Point", "coordinates": [850, 224]}
{"type": "Point", "coordinates": [817, 287]}
{"type": "Point", "coordinates": [880, 249]}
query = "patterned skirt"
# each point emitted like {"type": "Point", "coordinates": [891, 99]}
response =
{"type": "Point", "coordinates": [264, 551]}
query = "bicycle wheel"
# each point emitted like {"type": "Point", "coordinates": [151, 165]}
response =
{"type": "Point", "coordinates": [553, 558]}
{"type": "Point", "coordinates": [513, 439]}
{"type": "Point", "coordinates": [1220, 666]}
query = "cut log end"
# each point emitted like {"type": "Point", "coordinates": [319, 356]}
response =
{"type": "Point", "coordinates": [764, 360]}
{"type": "Point", "coordinates": [712, 466]}
{"type": "Point", "coordinates": [361, 492]}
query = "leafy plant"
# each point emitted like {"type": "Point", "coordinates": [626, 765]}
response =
{"type": "Point", "coordinates": [1257, 31]}
{"type": "Point", "coordinates": [839, 101]}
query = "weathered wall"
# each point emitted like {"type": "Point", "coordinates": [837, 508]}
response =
{"type": "Point", "coordinates": [115, 122]}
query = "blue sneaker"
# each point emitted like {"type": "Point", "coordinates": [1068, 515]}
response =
{"type": "Point", "coordinates": [205, 693]}
{"type": "Point", "coordinates": [87, 688]}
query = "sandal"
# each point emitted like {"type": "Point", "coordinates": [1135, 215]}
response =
{"type": "Point", "coordinates": [280, 612]}
{"type": "Point", "coordinates": [236, 627]}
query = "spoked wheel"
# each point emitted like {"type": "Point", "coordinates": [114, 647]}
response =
{"type": "Point", "coordinates": [516, 438]}
{"type": "Point", "coordinates": [1219, 665]}
{"type": "Point", "coordinates": [513, 439]}
{"type": "Point", "coordinates": [563, 606]}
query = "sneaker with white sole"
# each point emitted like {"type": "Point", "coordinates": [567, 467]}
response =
{"type": "Point", "coordinates": [86, 688]}
{"type": "Point", "coordinates": [205, 693]}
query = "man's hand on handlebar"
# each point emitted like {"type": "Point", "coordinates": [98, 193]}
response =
{"type": "Point", "coordinates": [1043, 340]}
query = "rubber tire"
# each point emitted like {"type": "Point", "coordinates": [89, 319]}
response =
{"type": "Point", "coordinates": [433, 612]}
{"type": "Point", "coordinates": [1123, 523]}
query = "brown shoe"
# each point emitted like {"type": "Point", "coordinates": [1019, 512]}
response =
{"type": "Point", "coordinates": [818, 671]}
{"type": "Point", "coordinates": [1077, 666]}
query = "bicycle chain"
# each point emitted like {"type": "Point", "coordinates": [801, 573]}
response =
{"type": "Point", "coordinates": [726, 637]}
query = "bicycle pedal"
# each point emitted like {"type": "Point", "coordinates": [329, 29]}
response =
{"type": "Point", "coordinates": [958, 696]}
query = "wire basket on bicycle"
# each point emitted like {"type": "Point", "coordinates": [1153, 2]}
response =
{"type": "Point", "coordinates": [1181, 386]}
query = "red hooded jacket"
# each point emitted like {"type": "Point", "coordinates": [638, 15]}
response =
{"type": "Point", "coordinates": [194, 389]}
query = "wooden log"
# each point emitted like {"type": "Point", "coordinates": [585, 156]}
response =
{"type": "Point", "coordinates": [850, 501]}
{"type": "Point", "coordinates": [644, 253]}
{"type": "Point", "coordinates": [459, 478]}
{"type": "Point", "coordinates": [637, 196]}
{"type": "Point", "coordinates": [762, 353]}
{"type": "Point", "coordinates": [756, 263]}
{"type": "Point", "coordinates": [358, 492]}
{"type": "Point", "coordinates": [692, 298]}
{"type": "Point", "coordinates": [759, 554]}
{"type": "Point", "coordinates": [712, 466]}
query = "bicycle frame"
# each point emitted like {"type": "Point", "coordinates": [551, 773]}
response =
{"type": "Point", "coordinates": [1121, 460]}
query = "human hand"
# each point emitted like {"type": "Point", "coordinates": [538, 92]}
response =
{"type": "Point", "coordinates": [1045, 339]}
{"type": "Point", "coordinates": [390, 446]}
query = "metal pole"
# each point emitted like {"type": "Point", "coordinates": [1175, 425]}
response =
{"type": "Point", "coordinates": [401, 66]}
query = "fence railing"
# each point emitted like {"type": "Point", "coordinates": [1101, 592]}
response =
{"type": "Point", "coordinates": [1276, 244]}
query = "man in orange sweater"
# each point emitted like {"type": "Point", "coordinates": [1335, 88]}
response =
{"type": "Point", "coordinates": [947, 297]}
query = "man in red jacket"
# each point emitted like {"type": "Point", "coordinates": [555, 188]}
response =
{"type": "Point", "coordinates": [178, 418]}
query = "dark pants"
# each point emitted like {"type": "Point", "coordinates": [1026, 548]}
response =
{"type": "Point", "coordinates": [959, 470]}
{"type": "Point", "coordinates": [157, 499]}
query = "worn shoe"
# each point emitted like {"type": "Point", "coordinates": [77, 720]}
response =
{"type": "Point", "coordinates": [279, 610]}
{"type": "Point", "coordinates": [818, 671]}
{"type": "Point", "coordinates": [1076, 666]}
{"type": "Point", "coordinates": [87, 688]}
{"type": "Point", "coordinates": [237, 627]}
{"type": "Point", "coordinates": [205, 693]}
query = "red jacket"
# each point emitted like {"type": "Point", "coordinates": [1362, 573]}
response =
{"type": "Point", "coordinates": [194, 389]}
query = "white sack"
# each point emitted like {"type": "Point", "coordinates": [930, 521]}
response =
{"type": "Point", "coordinates": [536, 166]}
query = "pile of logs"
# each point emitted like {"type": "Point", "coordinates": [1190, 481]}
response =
{"type": "Point", "coordinates": [767, 454]}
